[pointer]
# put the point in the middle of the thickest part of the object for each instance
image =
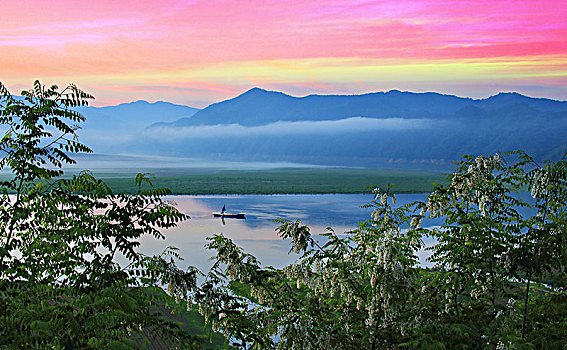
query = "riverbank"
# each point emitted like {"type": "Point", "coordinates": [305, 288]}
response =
{"type": "Point", "coordinates": [185, 181]}
{"type": "Point", "coordinates": [284, 181]}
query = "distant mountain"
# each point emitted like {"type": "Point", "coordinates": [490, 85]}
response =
{"type": "Point", "coordinates": [137, 114]}
{"type": "Point", "coordinates": [513, 98]}
{"type": "Point", "coordinates": [397, 129]}
{"type": "Point", "coordinates": [260, 107]}
{"type": "Point", "coordinates": [108, 127]}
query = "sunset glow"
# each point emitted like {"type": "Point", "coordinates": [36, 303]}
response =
{"type": "Point", "coordinates": [197, 52]}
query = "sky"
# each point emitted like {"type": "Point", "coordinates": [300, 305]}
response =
{"type": "Point", "coordinates": [197, 52]}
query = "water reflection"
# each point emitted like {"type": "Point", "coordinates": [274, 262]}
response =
{"type": "Point", "coordinates": [256, 234]}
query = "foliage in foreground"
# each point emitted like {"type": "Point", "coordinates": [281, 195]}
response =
{"type": "Point", "coordinates": [60, 282]}
{"type": "Point", "coordinates": [497, 275]}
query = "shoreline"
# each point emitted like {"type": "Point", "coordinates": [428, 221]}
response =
{"type": "Point", "coordinates": [280, 181]}
{"type": "Point", "coordinates": [289, 194]}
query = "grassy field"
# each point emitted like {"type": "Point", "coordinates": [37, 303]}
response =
{"type": "Point", "coordinates": [286, 181]}
{"type": "Point", "coordinates": [277, 181]}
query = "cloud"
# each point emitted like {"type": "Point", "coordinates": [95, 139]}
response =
{"type": "Point", "coordinates": [327, 127]}
{"type": "Point", "coordinates": [326, 46]}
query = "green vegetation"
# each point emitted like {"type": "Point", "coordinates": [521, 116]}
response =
{"type": "Point", "coordinates": [277, 181]}
{"type": "Point", "coordinates": [188, 319]}
{"type": "Point", "coordinates": [288, 181]}
{"type": "Point", "coordinates": [61, 286]}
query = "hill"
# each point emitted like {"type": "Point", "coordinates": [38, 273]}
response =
{"type": "Point", "coordinates": [382, 129]}
{"type": "Point", "coordinates": [260, 107]}
{"type": "Point", "coordinates": [108, 127]}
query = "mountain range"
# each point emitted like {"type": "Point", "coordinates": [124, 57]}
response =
{"type": "Point", "coordinates": [260, 107]}
{"type": "Point", "coordinates": [107, 128]}
{"type": "Point", "coordinates": [382, 129]}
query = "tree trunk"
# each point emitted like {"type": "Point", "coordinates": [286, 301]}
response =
{"type": "Point", "coordinates": [526, 306]}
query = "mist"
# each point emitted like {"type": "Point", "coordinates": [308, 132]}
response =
{"type": "Point", "coordinates": [327, 127]}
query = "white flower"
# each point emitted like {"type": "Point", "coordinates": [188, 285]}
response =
{"type": "Point", "coordinates": [413, 222]}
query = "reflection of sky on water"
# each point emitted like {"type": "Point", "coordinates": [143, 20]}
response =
{"type": "Point", "coordinates": [256, 234]}
{"type": "Point", "coordinates": [319, 210]}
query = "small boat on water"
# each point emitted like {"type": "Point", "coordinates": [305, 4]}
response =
{"type": "Point", "coordinates": [229, 215]}
{"type": "Point", "coordinates": [223, 214]}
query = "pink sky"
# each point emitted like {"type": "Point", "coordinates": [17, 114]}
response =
{"type": "Point", "coordinates": [197, 52]}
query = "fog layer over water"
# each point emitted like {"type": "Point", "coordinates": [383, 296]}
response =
{"type": "Point", "coordinates": [330, 127]}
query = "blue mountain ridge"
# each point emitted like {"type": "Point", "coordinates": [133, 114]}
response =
{"type": "Point", "coordinates": [136, 115]}
{"type": "Point", "coordinates": [261, 107]}
{"type": "Point", "coordinates": [394, 129]}
{"type": "Point", "coordinates": [380, 129]}
{"type": "Point", "coordinates": [107, 128]}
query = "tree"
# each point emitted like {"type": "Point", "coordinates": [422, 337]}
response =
{"type": "Point", "coordinates": [494, 244]}
{"type": "Point", "coordinates": [60, 283]}
{"type": "Point", "coordinates": [367, 289]}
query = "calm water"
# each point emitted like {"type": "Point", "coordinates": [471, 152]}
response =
{"type": "Point", "coordinates": [257, 234]}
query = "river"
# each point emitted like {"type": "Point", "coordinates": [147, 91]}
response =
{"type": "Point", "coordinates": [256, 234]}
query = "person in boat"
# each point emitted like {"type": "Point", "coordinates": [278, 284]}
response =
{"type": "Point", "coordinates": [223, 209]}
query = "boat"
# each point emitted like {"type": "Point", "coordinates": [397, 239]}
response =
{"type": "Point", "coordinates": [229, 215]}
{"type": "Point", "coordinates": [223, 214]}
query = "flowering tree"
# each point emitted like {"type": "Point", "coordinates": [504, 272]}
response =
{"type": "Point", "coordinates": [493, 245]}
{"type": "Point", "coordinates": [367, 289]}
